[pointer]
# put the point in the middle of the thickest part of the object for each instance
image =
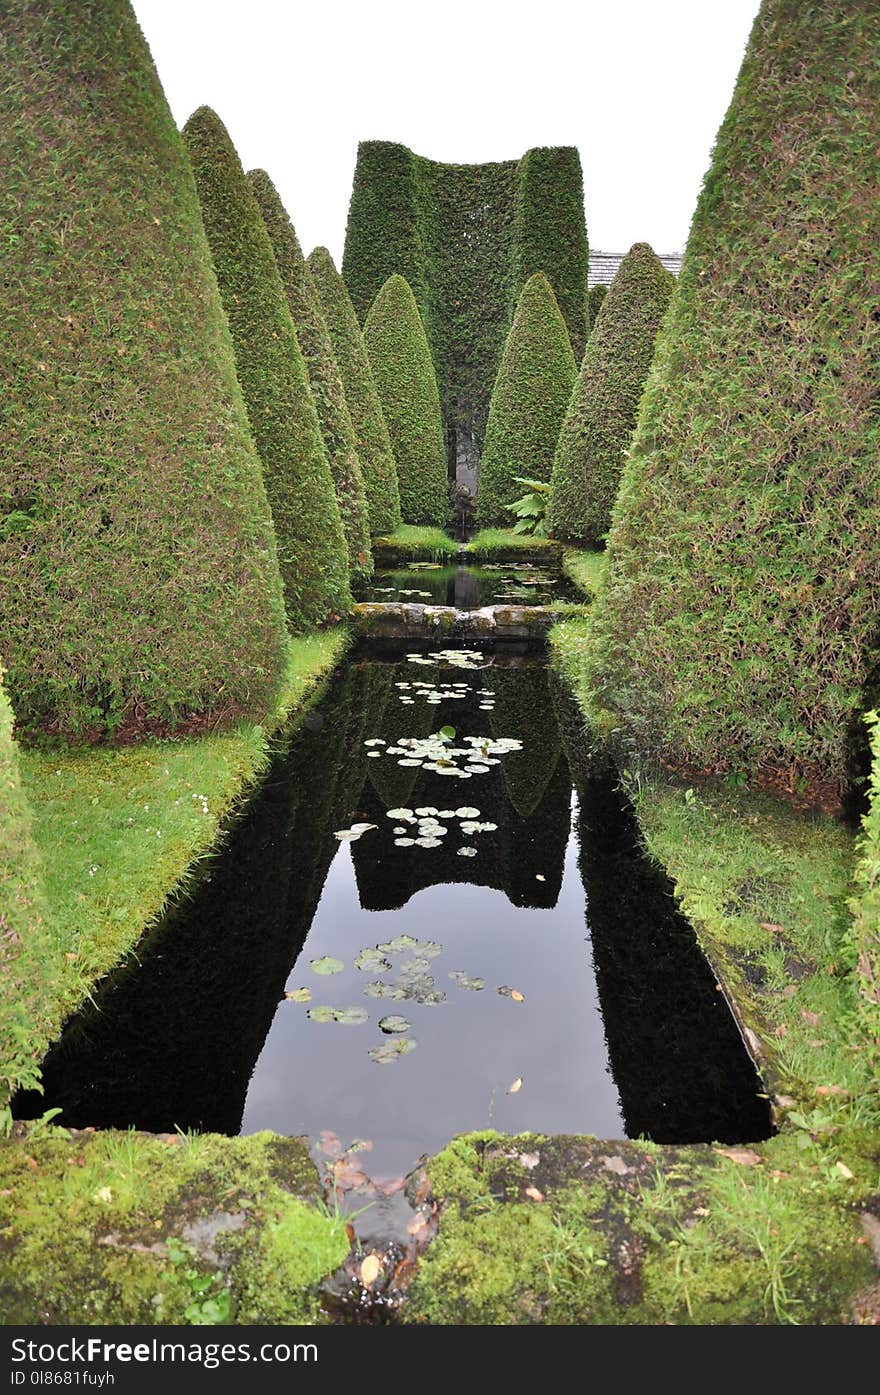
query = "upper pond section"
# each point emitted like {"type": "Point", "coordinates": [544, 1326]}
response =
{"type": "Point", "coordinates": [433, 917]}
{"type": "Point", "coordinates": [470, 587]}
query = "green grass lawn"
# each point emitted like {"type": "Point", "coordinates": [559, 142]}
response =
{"type": "Point", "coordinates": [585, 569]}
{"type": "Point", "coordinates": [118, 830]}
{"type": "Point", "coordinates": [416, 542]}
{"type": "Point", "coordinates": [492, 542]}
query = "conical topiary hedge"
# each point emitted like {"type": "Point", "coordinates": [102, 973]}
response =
{"type": "Point", "coordinates": [328, 393]}
{"type": "Point", "coordinates": [311, 546]}
{"type": "Point", "coordinates": [373, 443]}
{"type": "Point", "coordinates": [595, 296]}
{"type": "Point", "coordinates": [739, 618]}
{"type": "Point", "coordinates": [397, 347]}
{"type": "Point", "coordinates": [601, 416]}
{"type": "Point", "coordinates": [532, 391]}
{"type": "Point", "coordinates": [138, 570]}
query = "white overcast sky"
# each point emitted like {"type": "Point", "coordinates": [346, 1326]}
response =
{"type": "Point", "coordinates": [639, 86]}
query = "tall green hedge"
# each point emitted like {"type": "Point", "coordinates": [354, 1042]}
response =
{"type": "Point", "coordinates": [550, 234]}
{"type": "Point", "coordinates": [138, 570]}
{"type": "Point", "coordinates": [529, 400]}
{"type": "Point", "coordinates": [739, 619]}
{"type": "Point", "coordinates": [328, 393]}
{"type": "Point", "coordinates": [373, 443]}
{"type": "Point", "coordinates": [467, 238]}
{"type": "Point", "coordinates": [595, 296]}
{"type": "Point", "coordinates": [601, 416]}
{"type": "Point", "coordinates": [394, 338]}
{"type": "Point", "coordinates": [311, 545]}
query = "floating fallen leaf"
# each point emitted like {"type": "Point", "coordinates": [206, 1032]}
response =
{"type": "Point", "coordinates": [744, 1156]}
{"type": "Point", "coordinates": [327, 965]}
{"type": "Point", "coordinates": [507, 992]}
{"type": "Point", "coordinates": [844, 1171]}
{"type": "Point", "coordinates": [516, 1086]}
{"type": "Point", "coordinates": [533, 1194]}
{"type": "Point", "coordinates": [299, 995]}
{"type": "Point", "coordinates": [370, 1270]}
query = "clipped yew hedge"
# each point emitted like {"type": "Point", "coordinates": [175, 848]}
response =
{"type": "Point", "coordinates": [601, 416]}
{"type": "Point", "coordinates": [532, 391]}
{"type": "Point", "coordinates": [595, 296]}
{"type": "Point", "coordinates": [325, 381]}
{"type": "Point", "coordinates": [739, 618]}
{"type": "Point", "coordinates": [311, 546]}
{"type": "Point", "coordinates": [467, 238]}
{"type": "Point", "coordinates": [138, 570]}
{"type": "Point", "coordinates": [394, 338]}
{"type": "Point", "coordinates": [371, 432]}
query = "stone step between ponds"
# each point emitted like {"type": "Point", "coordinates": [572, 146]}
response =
{"type": "Point", "coordinates": [491, 624]}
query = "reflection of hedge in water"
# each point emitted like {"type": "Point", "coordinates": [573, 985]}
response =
{"type": "Point", "coordinates": [675, 1051]}
{"type": "Point", "coordinates": [523, 709]}
{"type": "Point", "coordinates": [176, 1033]}
{"type": "Point", "coordinates": [395, 783]}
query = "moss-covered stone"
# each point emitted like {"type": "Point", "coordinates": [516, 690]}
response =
{"type": "Point", "coordinates": [467, 238]}
{"type": "Point", "coordinates": [739, 622]}
{"type": "Point", "coordinates": [114, 1228]}
{"type": "Point", "coordinates": [139, 572]}
{"type": "Point", "coordinates": [532, 391]}
{"type": "Point", "coordinates": [311, 544]}
{"type": "Point", "coordinates": [371, 432]}
{"type": "Point", "coordinates": [394, 338]}
{"type": "Point", "coordinates": [595, 296]}
{"type": "Point", "coordinates": [602, 413]}
{"type": "Point", "coordinates": [325, 380]}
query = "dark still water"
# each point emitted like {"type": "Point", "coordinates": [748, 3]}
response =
{"type": "Point", "coordinates": [469, 587]}
{"type": "Point", "coordinates": [494, 952]}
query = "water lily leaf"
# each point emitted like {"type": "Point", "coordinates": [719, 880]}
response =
{"type": "Point", "coordinates": [429, 843]}
{"type": "Point", "coordinates": [299, 995]}
{"type": "Point", "coordinates": [391, 1051]}
{"type": "Point", "coordinates": [372, 961]}
{"type": "Point", "coordinates": [393, 1024]}
{"type": "Point", "coordinates": [414, 968]}
{"type": "Point", "coordinates": [402, 815]}
{"type": "Point", "coordinates": [428, 949]}
{"type": "Point", "coordinates": [347, 1017]}
{"type": "Point", "coordinates": [516, 1086]}
{"type": "Point", "coordinates": [404, 842]}
{"type": "Point", "coordinates": [467, 852]}
{"type": "Point", "coordinates": [327, 965]}
{"type": "Point", "coordinates": [472, 985]}
{"type": "Point", "coordinates": [376, 741]}
{"type": "Point", "coordinates": [351, 835]}
{"type": "Point", "coordinates": [399, 945]}
{"type": "Point", "coordinates": [507, 992]}
{"type": "Point", "coordinates": [448, 733]}
{"type": "Point", "coordinates": [378, 989]}
{"type": "Point", "coordinates": [427, 811]}
{"type": "Point", "coordinates": [466, 812]}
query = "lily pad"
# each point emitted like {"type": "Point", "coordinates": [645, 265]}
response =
{"type": "Point", "coordinates": [393, 1025]}
{"type": "Point", "coordinates": [467, 852]}
{"type": "Point", "coordinates": [327, 965]}
{"type": "Point", "coordinates": [378, 989]}
{"type": "Point", "coordinates": [471, 985]}
{"type": "Point", "coordinates": [403, 815]}
{"type": "Point", "coordinates": [404, 842]}
{"type": "Point", "coordinates": [391, 1051]}
{"type": "Point", "coordinates": [351, 835]}
{"type": "Point", "coordinates": [399, 945]}
{"type": "Point", "coordinates": [427, 811]}
{"type": "Point", "coordinates": [346, 1017]}
{"type": "Point", "coordinates": [448, 733]}
{"type": "Point", "coordinates": [466, 812]}
{"type": "Point", "coordinates": [372, 961]}
{"type": "Point", "coordinates": [429, 842]}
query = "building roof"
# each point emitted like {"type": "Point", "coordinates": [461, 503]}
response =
{"type": "Point", "coordinates": [603, 266]}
